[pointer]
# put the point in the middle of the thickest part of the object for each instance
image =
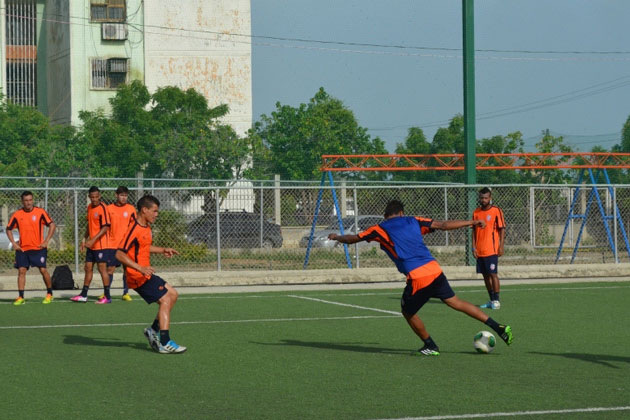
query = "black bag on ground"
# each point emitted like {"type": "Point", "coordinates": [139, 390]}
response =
{"type": "Point", "coordinates": [62, 278]}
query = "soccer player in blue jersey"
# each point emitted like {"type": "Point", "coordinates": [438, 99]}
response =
{"type": "Point", "coordinates": [401, 237]}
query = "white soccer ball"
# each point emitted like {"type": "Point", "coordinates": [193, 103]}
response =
{"type": "Point", "coordinates": [484, 342]}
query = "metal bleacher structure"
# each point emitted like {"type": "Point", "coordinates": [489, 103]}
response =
{"type": "Point", "coordinates": [593, 164]}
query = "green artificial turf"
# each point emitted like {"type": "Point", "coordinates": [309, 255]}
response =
{"type": "Point", "coordinates": [277, 356]}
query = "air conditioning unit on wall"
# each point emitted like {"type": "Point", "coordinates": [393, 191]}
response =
{"type": "Point", "coordinates": [114, 31]}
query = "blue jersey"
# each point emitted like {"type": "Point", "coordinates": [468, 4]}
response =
{"type": "Point", "coordinates": [401, 238]}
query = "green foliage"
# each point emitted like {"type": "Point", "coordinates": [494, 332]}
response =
{"type": "Point", "coordinates": [291, 141]}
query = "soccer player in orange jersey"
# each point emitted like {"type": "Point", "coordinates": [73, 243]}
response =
{"type": "Point", "coordinates": [121, 215]}
{"type": "Point", "coordinates": [488, 244]}
{"type": "Point", "coordinates": [32, 250]}
{"type": "Point", "coordinates": [135, 253]}
{"type": "Point", "coordinates": [96, 246]}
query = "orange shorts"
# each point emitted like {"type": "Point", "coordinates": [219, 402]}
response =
{"type": "Point", "coordinates": [424, 275]}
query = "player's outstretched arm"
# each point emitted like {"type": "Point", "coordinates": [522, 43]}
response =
{"type": "Point", "coordinates": [344, 239]}
{"type": "Point", "coordinates": [456, 224]}
{"type": "Point", "coordinates": [168, 252]}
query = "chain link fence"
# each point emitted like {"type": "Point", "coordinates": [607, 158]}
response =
{"type": "Point", "coordinates": [266, 225]}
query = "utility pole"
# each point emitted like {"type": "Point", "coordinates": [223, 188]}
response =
{"type": "Point", "coordinates": [468, 33]}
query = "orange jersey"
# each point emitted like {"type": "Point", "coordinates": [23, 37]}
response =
{"type": "Point", "coordinates": [137, 245]}
{"type": "Point", "coordinates": [97, 218]}
{"type": "Point", "coordinates": [30, 224]}
{"type": "Point", "coordinates": [120, 217]}
{"type": "Point", "coordinates": [487, 238]}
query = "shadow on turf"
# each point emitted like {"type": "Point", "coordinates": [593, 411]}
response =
{"type": "Point", "coordinates": [356, 347]}
{"type": "Point", "coordinates": [600, 359]}
{"type": "Point", "coordinates": [90, 341]}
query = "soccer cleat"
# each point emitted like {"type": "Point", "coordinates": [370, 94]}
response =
{"type": "Point", "coordinates": [495, 304]}
{"type": "Point", "coordinates": [103, 301]}
{"type": "Point", "coordinates": [79, 298]}
{"type": "Point", "coordinates": [429, 351]}
{"type": "Point", "coordinates": [487, 305]}
{"type": "Point", "coordinates": [19, 301]}
{"type": "Point", "coordinates": [153, 338]}
{"type": "Point", "coordinates": [171, 347]}
{"type": "Point", "coordinates": [126, 297]}
{"type": "Point", "coordinates": [101, 296]}
{"type": "Point", "coordinates": [506, 334]}
{"type": "Point", "coordinates": [49, 298]}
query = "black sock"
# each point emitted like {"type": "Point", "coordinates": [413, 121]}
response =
{"type": "Point", "coordinates": [84, 291]}
{"type": "Point", "coordinates": [156, 325]}
{"type": "Point", "coordinates": [21, 292]}
{"type": "Point", "coordinates": [111, 280]}
{"type": "Point", "coordinates": [496, 296]}
{"type": "Point", "coordinates": [49, 290]}
{"type": "Point", "coordinates": [164, 337]}
{"type": "Point", "coordinates": [429, 342]}
{"type": "Point", "coordinates": [490, 294]}
{"type": "Point", "coordinates": [494, 325]}
{"type": "Point", "coordinates": [125, 287]}
{"type": "Point", "coordinates": [106, 292]}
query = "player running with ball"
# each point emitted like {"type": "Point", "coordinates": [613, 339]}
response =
{"type": "Point", "coordinates": [401, 237]}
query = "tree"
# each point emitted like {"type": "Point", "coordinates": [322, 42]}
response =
{"type": "Point", "coordinates": [31, 146]}
{"type": "Point", "coordinates": [292, 140]}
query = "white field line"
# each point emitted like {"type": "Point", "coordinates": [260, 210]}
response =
{"type": "Point", "coordinates": [63, 299]}
{"type": "Point", "coordinates": [231, 321]}
{"type": "Point", "coordinates": [346, 304]}
{"type": "Point", "coordinates": [518, 413]}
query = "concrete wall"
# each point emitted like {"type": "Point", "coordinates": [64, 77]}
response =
{"type": "Point", "coordinates": [3, 49]}
{"type": "Point", "coordinates": [86, 43]}
{"type": "Point", "coordinates": [53, 61]}
{"type": "Point", "coordinates": [185, 46]}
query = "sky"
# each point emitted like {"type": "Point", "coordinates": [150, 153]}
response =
{"type": "Point", "coordinates": [562, 65]}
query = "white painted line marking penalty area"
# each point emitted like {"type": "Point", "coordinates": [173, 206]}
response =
{"type": "Point", "coordinates": [518, 413]}
{"type": "Point", "coordinates": [330, 302]}
{"type": "Point", "coordinates": [229, 321]}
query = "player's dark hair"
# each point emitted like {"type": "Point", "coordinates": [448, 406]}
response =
{"type": "Point", "coordinates": [93, 188]}
{"type": "Point", "coordinates": [26, 193]}
{"type": "Point", "coordinates": [485, 190]}
{"type": "Point", "coordinates": [147, 201]}
{"type": "Point", "coordinates": [122, 190]}
{"type": "Point", "coordinates": [394, 207]}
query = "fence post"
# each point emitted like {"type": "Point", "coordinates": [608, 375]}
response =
{"type": "Point", "coordinates": [140, 176]}
{"type": "Point", "coordinates": [356, 225]}
{"type": "Point", "coordinates": [76, 232]}
{"type": "Point", "coordinates": [446, 211]}
{"type": "Point", "coordinates": [262, 201]}
{"type": "Point", "coordinates": [532, 218]}
{"type": "Point", "coordinates": [343, 204]}
{"type": "Point", "coordinates": [276, 200]}
{"type": "Point", "coordinates": [615, 221]}
{"type": "Point", "coordinates": [216, 206]}
{"type": "Point", "coordinates": [46, 197]}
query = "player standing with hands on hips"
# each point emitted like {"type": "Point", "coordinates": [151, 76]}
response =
{"type": "Point", "coordinates": [488, 244]}
{"type": "Point", "coordinates": [32, 251]}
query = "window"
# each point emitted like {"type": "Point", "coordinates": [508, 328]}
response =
{"type": "Point", "coordinates": [109, 73]}
{"type": "Point", "coordinates": [108, 10]}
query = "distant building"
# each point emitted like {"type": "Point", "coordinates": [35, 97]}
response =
{"type": "Point", "coordinates": [65, 56]}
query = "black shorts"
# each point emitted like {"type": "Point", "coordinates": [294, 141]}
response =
{"type": "Point", "coordinates": [488, 265]}
{"type": "Point", "coordinates": [98, 256]}
{"type": "Point", "coordinates": [439, 288]}
{"type": "Point", "coordinates": [32, 258]}
{"type": "Point", "coordinates": [112, 261]}
{"type": "Point", "coordinates": [152, 290]}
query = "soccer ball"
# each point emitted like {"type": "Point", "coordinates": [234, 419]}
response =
{"type": "Point", "coordinates": [484, 342]}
